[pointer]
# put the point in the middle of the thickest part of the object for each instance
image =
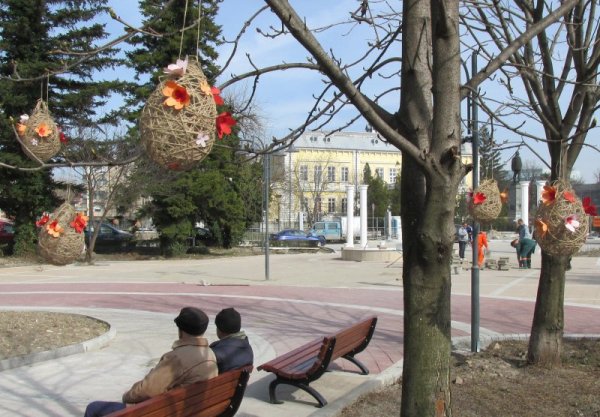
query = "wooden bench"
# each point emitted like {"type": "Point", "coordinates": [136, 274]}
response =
{"type": "Point", "coordinates": [217, 397]}
{"type": "Point", "coordinates": [307, 363]}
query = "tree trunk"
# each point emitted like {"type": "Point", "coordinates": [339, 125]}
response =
{"type": "Point", "coordinates": [426, 273]}
{"type": "Point", "coordinates": [545, 342]}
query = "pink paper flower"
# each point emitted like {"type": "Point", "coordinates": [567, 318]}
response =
{"type": "Point", "coordinates": [178, 68]}
{"type": "Point", "coordinates": [571, 223]}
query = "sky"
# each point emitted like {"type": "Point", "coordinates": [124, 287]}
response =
{"type": "Point", "coordinates": [283, 98]}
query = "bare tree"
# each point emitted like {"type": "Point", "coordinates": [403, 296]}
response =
{"type": "Point", "coordinates": [427, 129]}
{"type": "Point", "coordinates": [551, 81]}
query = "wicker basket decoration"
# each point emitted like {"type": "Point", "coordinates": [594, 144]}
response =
{"type": "Point", "coordinates": [177, 124]}
{"type": "Point", "coordinates": [61, 238]}
{"type": "Point", "coordinates": [40, 137]}
{"type": "Point", "coordinates": [486, 203]}
{"type": "Point", "coordinates": [561, 220]}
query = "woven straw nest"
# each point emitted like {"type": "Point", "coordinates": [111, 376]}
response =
{"type": "Point", "coordinates": [490, 208]}
{"type": "Point", "coordinates": [558, 239]}
{"type": "Point", "coordinates": [170, 136]}
{"type": "Point", "coordinates": [36, 146]}
{"type": "Point", "coordinates": [67, 247]}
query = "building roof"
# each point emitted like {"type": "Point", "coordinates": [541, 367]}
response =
{"type": "Point", "coordinates": [353, 141]}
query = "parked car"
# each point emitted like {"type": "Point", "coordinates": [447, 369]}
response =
{"type": "Point", "coordinates": [110, 239]}
{"type": "Point", "coordinates": [7, 237]}
{"type": "Point", "coordinates": [297, 236]}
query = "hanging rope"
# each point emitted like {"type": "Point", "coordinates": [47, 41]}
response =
{"type": "Point", "coordinates": [183, 28]}
{"type": "Point", "coordinates": [198, 33]}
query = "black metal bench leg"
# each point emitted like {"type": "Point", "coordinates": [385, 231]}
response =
{"type": "Point", "coordinates": [310, 390]}
{"type": "Point", "coordinates": [358, 363]}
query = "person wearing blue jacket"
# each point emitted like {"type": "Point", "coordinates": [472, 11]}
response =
{"type": "Point", "coordinates": [233, 348]}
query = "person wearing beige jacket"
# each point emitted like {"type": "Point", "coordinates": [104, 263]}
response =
{"type": "Point", "coordinates": [191, 360]}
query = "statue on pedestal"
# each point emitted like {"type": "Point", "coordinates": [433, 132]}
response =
{"type": "Point", "coordinates": [516, 166]}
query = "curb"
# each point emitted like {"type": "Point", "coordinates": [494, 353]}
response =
{"type": "Point", "coordinates": [87, 345]}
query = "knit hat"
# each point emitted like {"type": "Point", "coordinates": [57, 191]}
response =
{"type": "Point", "coordinates": [228, 321]}
{"type": "Point", "coordinates": [192, 320]}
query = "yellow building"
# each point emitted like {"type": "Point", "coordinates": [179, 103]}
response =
{"type": "Point", "coordinates": [312, 176]}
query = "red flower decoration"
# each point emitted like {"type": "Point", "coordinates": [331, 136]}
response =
{"type": "Point", "coordinates": [176, 95]}
{"type": "Point", "coordinates": [216, 95]}
{"type": "Point", "coordinates": [43, 220]}
{"type": "Point", "coordinates": [548, 195]}
{"type": "Point", "coordinates": [479, 198]}
{"type": "Point", "coordinates": [54, 229]}
{"type": "Point", "coordinates": [79, 223]}
{"type": "Point", "coordinates": [224, 124]}
{"type": "Point", "coordinates": [589, 207]}
{"type": "Point", "coordinates": [569, 196]}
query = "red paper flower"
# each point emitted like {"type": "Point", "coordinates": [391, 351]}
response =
{"type": "Point", "coordinates": [548, 195]}
{"type": "Point", "coordinates": [54, 229]}
{"type": "Point", "coordinates": [43, 220]}
{"type": "Point", "coordinates": [541, 228]}
{"type": "Point", "coordinates": [479, 198]}
{"type": "Point", "coordinates": [569, 196]}
{"type": "Point", "coordinates": [589, 207]}
{"type": "Point", "coordinates": [217, 96]}
{"type": "Point", "coordinates": [224, 123]}
{"type": "Point", "coordinates": [79, 223]}
{"type": "Point", "coordinates": [177, 95]}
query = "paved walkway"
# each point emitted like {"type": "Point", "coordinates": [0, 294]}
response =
{"type": "Point", "coordinates": [307, 295]}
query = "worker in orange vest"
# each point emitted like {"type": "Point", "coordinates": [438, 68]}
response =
{"type": "Point", "coordinates": [482, 247]}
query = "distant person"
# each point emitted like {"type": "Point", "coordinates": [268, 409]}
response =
{"type": "Point", "coordinates": [233, 349]}
{"type": "Point", "coordinates": [525, 248]}
{"type": "Point", "coordinates": [523, 230]}
{"type": "Point", "coordinates": [463, 238]}
{"type": "Point", "coordinates": [470, 233]}
{"type": "Point", "coordinates": [191, 360]}
{"type": "Point", "coordinates": [482, 247]}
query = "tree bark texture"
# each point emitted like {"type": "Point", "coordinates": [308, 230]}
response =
{"type": "Point", "coordinates": [545, 342]}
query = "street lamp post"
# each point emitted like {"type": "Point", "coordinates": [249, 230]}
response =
{"type": "Point", "coordinates": [266, 186]}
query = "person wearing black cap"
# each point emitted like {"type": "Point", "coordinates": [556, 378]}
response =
{"type": "Point", "coordinates": [233, 349]}
{"type": "Point", "coordinates": [191, 360]}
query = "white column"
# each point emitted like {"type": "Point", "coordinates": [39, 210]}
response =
{"type": "Point", "coordinates": [301, 220]}
{"type": "Point", "coordinates": [539, 187]}
{"type": "Point", "coordinates": [349, 216]}
{"type": "Point", "coordinates": [363, 216]}
{"type": "Point", "coordinates": [525, 201]}
{"type": "Point", "coordinates": [518, 211]}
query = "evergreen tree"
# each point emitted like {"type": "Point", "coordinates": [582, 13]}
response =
{"type": "Point", "coordinates": [490, 164]}
{"type": "Point", "coordinates": [38, 40]}
{"type": "Point", "coordinates": [377, 193]}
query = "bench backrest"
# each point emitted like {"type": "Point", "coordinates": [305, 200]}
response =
{"type": "Point", "coordinates": [354, 339]}
{"type": "Point", "coordinates": [217, 397]}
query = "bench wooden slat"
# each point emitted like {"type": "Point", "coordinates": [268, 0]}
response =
{"type": "Point", "coordinates": [216, 397]}
{"type": "Point", "coordinates": [308, 362]}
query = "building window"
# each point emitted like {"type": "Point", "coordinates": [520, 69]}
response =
{"type": "Point", "coordinates": [344, 205]}
{"type": "Point", "coordinates": [393, 175]}
{"type": "Point", "coordinates": [379, 172]}
{"type": "Point", "coordinates": [303, 173]}
{"type": "Point", "coordinates": [345, 174]}
{"type": "Point", "coordinates": [318, 174]}
{"type": "Point", "coordinates": [331, 174]}
{"type": "Point", "coordinates": [331, 205]}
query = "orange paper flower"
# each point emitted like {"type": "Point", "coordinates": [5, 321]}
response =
{"type": "Point", "coordinates": [79, 223]}
{"type": "Point", "coordinates": [504, 196]}
{"type": "Point", "coordinates": [569, 196]}
{"type": "Point", "coordinates": [479, 198]}
{"type": "Point", "coordinates": [541, 228]}
{"type": "Point", "coordinates": [177, 95]}
{"type": "Point", "coordinates": [548, 195]}
{"type": "Point", "coordinates": [224, 124]}
{"type": "Point", "coordinates": [54, 229]}
{"type": "Point", "coordinates": [21, 129]}
{"type": "Point", "coordinates": [43, 220]}
{"type": "Point", "coordinates": [589, 207]}
{"type": "Point", "coordinates": [205, 88]}
{"type": "Point", "coordinates": [43, 130]}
